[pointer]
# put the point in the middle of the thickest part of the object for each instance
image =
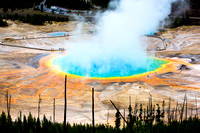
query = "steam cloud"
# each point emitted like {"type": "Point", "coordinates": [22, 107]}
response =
{"type": "Point", "coordinates": [118, 36]}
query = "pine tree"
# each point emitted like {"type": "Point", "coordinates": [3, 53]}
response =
{"type": "Point", "coordinates": [130, 116]}
{"type": "Point", "coordinates": [3, 23]}
{"type": "Point", "coordinates": [38, 128]}
{"type": "Point", "coordinates": [163, 111]}
{"type": "Point", "coordinates": [5, 9]}
{"type": "Point", "coordinates": [153, 114]}
{"type": "Point", "coordinates": [25, 125]}
{"type": "Point", "coordinates": [42, 8]}
{"type": "Point", "coordinates": [30, 121]}
{"type": "Point", "coordinates": [117, 121]}
{"type": "Point", "coordinates": [9, 124]}
{"type": "Point", "coordinates": [3, 122]}
{"type": "Point", "coordinates": [19, 125]}
{"type": "Point", "coordinates": [158, 114]}
{"type": "Point", "coordinates": [45, 124]}
{"type": "Point", "coordinates": [141, 111]}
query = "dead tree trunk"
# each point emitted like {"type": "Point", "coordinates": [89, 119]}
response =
{"type": "Point", "coordinates": [20, 115]}
{"type": "Point", "coordinates": [150, 106]}
{"type": "Point", "coordinates": [8, 103]}
{"type": "Point", "coordinates": [176, 111]}
{"type": "Point", "coordinates": [122, 116]}
{"type": "Point", "coordinates": [196, 107]}
{"type": "Point", "coordinates": [186, 107]}
{"type": "Point", "coordinates": [93, 110]}
{"type": "Point", "coordinates": [54, 111]}
{"type": "Point", "coordinates": [108, 118]}
{"type": "Point", "coordinates": [169, 111]}
{"type": "Point", "coordinates": [65, 106]}
{"type": "Point", "coordinates": [182, 111]}
{"type": "Point", "coordinates": [39, 101]}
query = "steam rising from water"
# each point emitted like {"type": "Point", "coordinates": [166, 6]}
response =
{"type": "Point", "coordinates": [118, 34]}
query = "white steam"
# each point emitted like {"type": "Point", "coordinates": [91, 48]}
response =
{"type": "Point", "coordinates": [118, 34]}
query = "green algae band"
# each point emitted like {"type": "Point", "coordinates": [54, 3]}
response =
{"type": "Point", "coordinates": [106, 69]}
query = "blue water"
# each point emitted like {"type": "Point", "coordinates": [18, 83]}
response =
{"type": "Point", "coordinates": [113, 68]}
{"type": "Point", "coordinates": [151, 33]}
{"type": "Point", "coordinates": [57, 33]}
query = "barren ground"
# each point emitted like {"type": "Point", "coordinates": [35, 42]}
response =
{"type": "Point", "coordinates": [24, 75]}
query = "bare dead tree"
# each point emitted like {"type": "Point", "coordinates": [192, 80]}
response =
{"type": "Point", "coordinates": [54, 110]}
{"type": "Point", "coordinates": [20, 115]}
{"type": "Point", "coordinates": [39, 101]}
{"type": "Point", "coordinates": [196, 106]}
{"type": "Point", "coordinates": [176, 111]}
{"type": "Point", "coordinates": [9, 104]}
{"type": "Point", "coordinates": [65, 106]}
{"type": "Point", "coordinates": [122, 116]}
{"type": "Point", "coordinates": [135, 108]}
{"type": "Point", "coordinates": [107, 118]}
{"type": "Point", "coordinates": [186, 106]}
{"type": "Point", "coordinates": [8, 99]}
{"type": "Point", "coordinates": [93, 110]}
{"type": "Point", "coordinates": [172, 115]}
{"type": "Point", "coordinates": [169, 110]}
{"type": "Point", "coordinates": [191, 111]}
{"type": "Point", "coordinates": [182, 111]}
{"type": "Point", "coordinates": [150, 107]}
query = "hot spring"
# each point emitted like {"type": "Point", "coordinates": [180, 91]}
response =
{"type": "Point", "coordinates": [116, 49]}
{"type": "Point", "coordinates": [106, 69]}
{"type": "Point", "coordinates": [54, 34]}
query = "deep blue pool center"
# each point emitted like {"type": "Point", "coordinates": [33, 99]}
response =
{"type": "Point", "coordinates": [107, 69]}
{"type": "Point", "coordinates": [54, 34]}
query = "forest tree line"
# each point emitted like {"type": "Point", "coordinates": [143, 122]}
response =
{"type": "Point", "coordinates": [140, 119]}
{"type": "Point", "coordinates": [34, 19]}
{"type": "Point", "coordinates": [39, 19]}
{"type": "Point", "coordinates": [74, 4]}
{"type": "Point", "coordinates": [19, 4]}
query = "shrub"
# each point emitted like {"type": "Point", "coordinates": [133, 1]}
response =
{"type": "Point", "coordinates": [3, 23]}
